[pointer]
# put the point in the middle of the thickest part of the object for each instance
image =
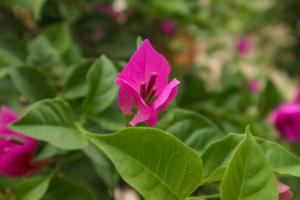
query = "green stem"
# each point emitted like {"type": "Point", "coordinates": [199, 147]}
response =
{"type": "Point", "coordinates": [80, 128]}
{"type": "Point", "coordinates": [209, 196]}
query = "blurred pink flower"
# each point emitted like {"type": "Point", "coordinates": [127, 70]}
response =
{"type": "Point", "coordinates": [168, 27]}
{"type": "Point", "coordinates": [284, 192]}
{"type": "Point", "coordinates": [144, 85]}
{"type": "Point", "coordinates": [243, 45]}
{"type": "Point", "coordinates": [297, 97]}
{"type": "Point", "coordinates": [286, 119]}
{"type": "Point", "coordinates": [98, 33]}
{"type": "Point", "coordinates": [254, 86]}
{"type": "Point", "coordinates": [16, 150]}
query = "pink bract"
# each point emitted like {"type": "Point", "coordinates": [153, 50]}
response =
{"type": "Point", "coordinates": [16, 150]}
{"type": "Point", "coordinates": [168, 27]}
{"type": "Point", "coordinates": [254, 86]}
{"type": "Point", "coordinates": [144, 85]}
{"type": "Point", "coordinates": [286, 118]}
{"type": "Point", "coordinates": [284, 192]}
{"type": "Point", "coordinates": [243, 45]}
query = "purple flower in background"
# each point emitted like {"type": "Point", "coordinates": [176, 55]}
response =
{"type": "Point", "coordinates": [168, 27]}
{"type": "Point", "coordinates": [144, 84]}
{"type": "Point", "coordinates": [254, 86]}
{"type": "Point", "coordinates": [16, 150]}
{"type": "Point", "coordinates": [284, 192]}
{"type": "Point", "coordinates": [243, 45]}
{"type": "Point", "coordinates": [98, 33]}
{"type": "Point", "coordinates": [286, 118]}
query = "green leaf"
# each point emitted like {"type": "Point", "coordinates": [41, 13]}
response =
{"type": "Point", "coordinates": [68, 190]}
{"type": "Point", "coordinates": [155, 163]}
{"type": "Point", "coordinates": [34, 5]}
{"type": "Point", "coordinates": [33, 188]}
{"type": "Point", "coordinates": [249, 175]}
{"type": "Point", "coordinates": [102, 166]}
{"type": "Point", "coordinates": [75, 84]}
{"type": "Point", "coordinates": [102, 89]}
{"type": "Point", "coordinates": [269, 99]}
{"type": "Point", "coordinates": [192, 128]}
{"type": "Point", "coordinates": [41, 53]}
{"type": "Point", "coordinates": [31, 83]}
{"type": "Point", "coordinates": [282, 161]}
{"type": "Point", "coordinates": [139, 41]}
{"type": "Point", "coordinates": [7, 59]}
{"type": "Point", "coordinates": [59, 36]}
{"type": "Point", "coordinates": [217, 155]}
{"type": "Point", "coordinates": [51, 121]}
{"type": "Point", "coordinates": [47, 152]}
{"type": "Point", "coordinates": [110, 119]}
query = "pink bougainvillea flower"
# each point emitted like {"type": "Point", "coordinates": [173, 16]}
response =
{"type": "Point", "coordinates": [16, 150]}
{"type": "Point", "coordinates": [243, 45]}
{"type": "Point", "coordinates": [284, 192]}
{"type": "Point", "coordinates": [286, 118]}
{"type": "Point", "coordinates": [254, 86]}
{"type": "Point", "coordinates": [168, 27]}
{"type": "Point", "coordinates": [144, 85]}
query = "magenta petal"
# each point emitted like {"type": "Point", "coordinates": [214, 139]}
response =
{"type": "Point", "coordinates": [7, 117]}
{"type": "Point", "coordinates": [166, 96]}
{"type": "Point", "coordinates": [16, 150]}
{"type": "Point", "coordinates": [18, 160]}
{"type": "Point", "coordinates": [144, 62]}
{"type": "Point", "coordinates": [129, 97]}
{"type": "Point", "coordinates": [286, 118]}
{"type": "Point", "coordinates": [126, 101]}
{"type": "Point", "coordinates": [284, 192]}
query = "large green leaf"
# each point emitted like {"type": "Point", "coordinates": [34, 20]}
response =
{"type": "Point", "coordinates": [51, 121]}
{"type": "Point", "coordinates": [249, 175]}
{"type": "Point", "coordinates": [192, 128]}
{"type": "Point", "coordinates": [155, 163]}
{"type": "Point", "coordinates": [62, 188]}
{"type": "Point", "coordinates": [217, 155]}
{"type": "Point", "coordinates": [32, 188]}
{"type": "Point", "coordinates": [31, 83]}
{"type": "Point", "coordinates": [102, 89]}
